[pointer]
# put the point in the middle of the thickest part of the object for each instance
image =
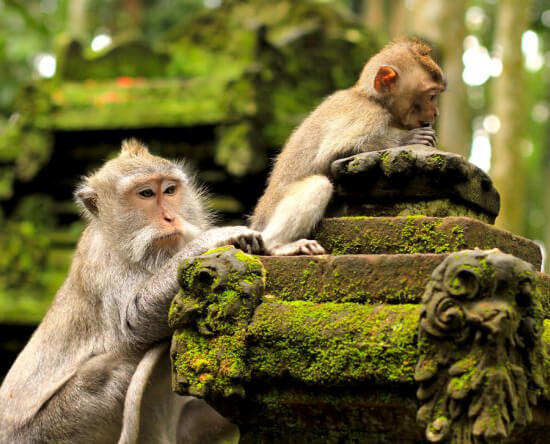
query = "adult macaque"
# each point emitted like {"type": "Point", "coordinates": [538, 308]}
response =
{"type": "Point", "coordinates": [107, 325]}
{"type": "Point", "coordinates": [393, 103]}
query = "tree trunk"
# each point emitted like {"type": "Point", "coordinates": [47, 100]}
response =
{"type": "Point", "coordinates": [508, 100]}
{"type": "Point", "coordinates": [398, 19]}
{"type": "Point", "coordinates": [77, 18]}
{"type": "Point", "coordinates": [442, 24]}
{"type": "Point", "coordinates": [373, 15]}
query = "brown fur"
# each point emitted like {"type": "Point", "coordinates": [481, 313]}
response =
{"type": "Point", "coordinates": [349, 121]}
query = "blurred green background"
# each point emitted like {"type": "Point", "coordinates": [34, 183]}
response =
{"type": "Point", "coordinates": [222, 83]}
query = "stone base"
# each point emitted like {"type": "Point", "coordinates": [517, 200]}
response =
{"type": "Point", "coordinates": [434, 208]}
{"type": "Point", "coordinates": [419, 234]}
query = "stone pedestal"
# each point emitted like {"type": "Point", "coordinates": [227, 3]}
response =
{"type": "Point", "coordinates": [413, 328]}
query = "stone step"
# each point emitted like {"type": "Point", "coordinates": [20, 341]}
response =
{"type": "Point", "coordinates": [419, 234]}
{"type": "Point", "coordinates": [362, 278]}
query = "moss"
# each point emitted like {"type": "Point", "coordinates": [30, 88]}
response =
{"type": "Point", "coordinates": [418, 234]}
{"type": "Point", "coordinates": [333, 344]}
{"type": "Point", "coordinates": [436, 160]}
{"type": "Point", "coordinates": [430, 208]}
{"type": "Point", "coordinates": [219, 292]}
{"type": "Point", "coordinates": [360, 279]}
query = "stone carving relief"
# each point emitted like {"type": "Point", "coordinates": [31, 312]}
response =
{"type": "Point", "coordinates": [480, 365]}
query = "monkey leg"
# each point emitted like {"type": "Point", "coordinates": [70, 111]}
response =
{"type": "Point", "coordinates": [296, 215]}
{"type": "Point", "coordinates": [199, 423]}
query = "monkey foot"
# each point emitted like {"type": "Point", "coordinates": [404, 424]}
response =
{"type": "Point", "coordinates": [301, 246]}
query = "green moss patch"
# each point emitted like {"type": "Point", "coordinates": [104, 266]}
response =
{"type": "Point", "coordinates": [419, 234]}
{"type": "Point", "coordinates": [334, 344]}
{"type": "Point", "coordinates": [431, 208]}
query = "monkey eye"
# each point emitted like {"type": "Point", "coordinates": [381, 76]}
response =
{"type": "Point", "coordinates": [170, 189]}
{"type": "Point", "coordinates": [147, 192]}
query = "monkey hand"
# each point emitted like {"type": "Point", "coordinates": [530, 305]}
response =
{"type": "Point", "coordinates": [250, 241]}
{"type": "Point", "coordinates": [424, 135]}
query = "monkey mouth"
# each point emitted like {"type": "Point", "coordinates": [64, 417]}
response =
{"type": "Point", "coordinates": [169, 236]}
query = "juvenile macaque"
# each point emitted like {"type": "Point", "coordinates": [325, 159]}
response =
{"type": "Point", "coordinates": [394, 103]}
{"type": "Point", "coordinates": [103, 340]}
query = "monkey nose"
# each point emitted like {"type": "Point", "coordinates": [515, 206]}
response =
{"type": "Point", "coordinates": [168, 217]}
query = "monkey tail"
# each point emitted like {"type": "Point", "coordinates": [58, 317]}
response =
{"type": "Point", "coordinates": [132, 402]}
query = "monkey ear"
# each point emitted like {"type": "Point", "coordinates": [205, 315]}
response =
{"type": "Point", "coordinates": [385, 79]}
{"type": "Point", "coordinates": [86, 198]}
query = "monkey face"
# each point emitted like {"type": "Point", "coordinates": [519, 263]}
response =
{"type": "Point", "coordinates": [410, 94]}
{"type": "Point", "coordinates": [416, 106]}
{"type": "Point", "coordinates": [159, 199]}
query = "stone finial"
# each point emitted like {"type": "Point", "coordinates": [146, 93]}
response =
{"type": "Point", "coordinates": [219, 293]}
{"type": "Point", "coordinates": [412, 180]}
{"type": "Point", "coordinates": [480, 364]}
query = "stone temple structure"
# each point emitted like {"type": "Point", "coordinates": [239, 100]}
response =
{"type": "Point", "coordinates": [424, 323]}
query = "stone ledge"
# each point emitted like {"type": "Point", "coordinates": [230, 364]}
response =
{"type": "Point", "coordinates": [333, 344]}
{"type": "Point", "coordinates": [382, 278]}
{"type": "Point", "coordinates": [417, 173]}
{"type": "Point", "coordinates": [418, 234]}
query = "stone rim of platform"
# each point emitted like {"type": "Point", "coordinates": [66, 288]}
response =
{"type": "Point", "coordinates": [419, 234]}
{"type": "Point", "coordinates": [414, 173]}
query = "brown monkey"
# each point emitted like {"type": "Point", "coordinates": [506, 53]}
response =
{"type": "Point", "coordinates": [393, 103]}
{"type": "Point", "coordinates": [103, 337]}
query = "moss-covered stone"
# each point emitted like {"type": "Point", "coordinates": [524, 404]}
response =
{"type": "Point", "coordinates": [386, 278]}
{"type": "Point", "coordinates": [414, 173]}
{"type": "Point", "coordinates": [333, 344]}
{"type": "Point", "coordinates": [431, 208]}
{"type": "Point", "coordinates": [219, 292]}
{"type": "Point", "coordinates": [418, 234]}
{"type": "Point", "coordinates": [353, 278]}
{"type": "Point", "coordinates": [133, 103]}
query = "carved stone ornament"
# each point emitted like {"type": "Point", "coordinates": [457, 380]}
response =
{"type": "Point", "coordinates": [480, 365]}
{"type": "Point", "coordinates": [219, 293]}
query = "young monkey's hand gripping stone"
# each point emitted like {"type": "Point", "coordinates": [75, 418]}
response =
{"type": "Point", "coordinates": [394, 103]}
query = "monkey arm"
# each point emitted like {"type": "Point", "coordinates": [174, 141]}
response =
{"type": "Point", "coordinates": [145, 318]}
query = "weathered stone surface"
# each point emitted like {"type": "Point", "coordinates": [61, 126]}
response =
{"type": "Point", "coordinates": [412, 174]}
{"type": "Point", "coordinates": [389, 278]}
{"type": "Point", "coordinates": [417, 234]}
{"type": "Point", "coordinates": [292, 414]}
{"type": "Point", "coordinates": [319, 357]}
{"type": "Point", "coordinates": [432, 208]}
{"type": "Point", "coordinates": [219, 292]}
{"type": "Point", "coordinates": [481, 363]}
{"type": "Point", "coordinates": [333, 344]}
{"type": "Point", "coordinates": [349, 278]}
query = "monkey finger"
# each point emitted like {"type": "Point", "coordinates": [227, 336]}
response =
{"type": "Point", "coordinates": [257, 245]}
{"type": "Point", "coordinates": [241, 243]}
{"type": "Point", "coordinates": [421, 141]}
{"type": "Point", "coordinates": [261, 245]}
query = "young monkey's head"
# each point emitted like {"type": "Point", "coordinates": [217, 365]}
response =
{"type": "Point", "coordinates": [406, 81]}
{"type": "Point", "coordinates": [146, 206]}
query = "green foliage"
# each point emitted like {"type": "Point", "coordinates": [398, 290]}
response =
{"type": "Point", "coordinates": [24, 253]}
